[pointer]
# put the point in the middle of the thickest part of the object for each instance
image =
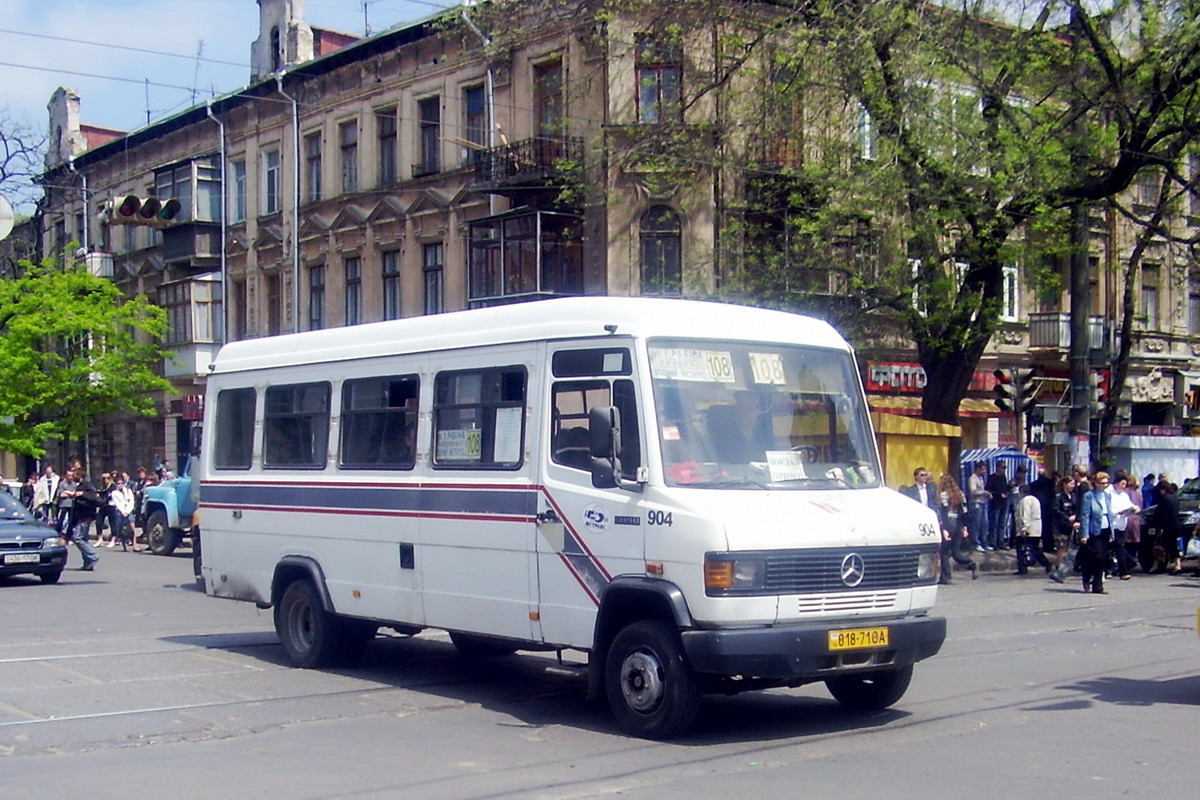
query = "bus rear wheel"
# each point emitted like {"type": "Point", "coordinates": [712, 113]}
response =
{"type": "Point", "coordinates": [312, 637]}
{"type": "Point", "coordinates": [651, 688]}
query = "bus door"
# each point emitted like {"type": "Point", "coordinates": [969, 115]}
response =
{"type": "Point", "coordinates": [586, 536]}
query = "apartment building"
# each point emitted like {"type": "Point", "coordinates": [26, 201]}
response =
{"type": "Point", "coordinates": [426, 168]}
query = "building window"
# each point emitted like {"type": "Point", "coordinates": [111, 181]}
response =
{"type": "Point", "coordinates": [662, 267]}
{"type": "Point", "coordinates": [196, 185]}
{"type": "Point", "coordinates": [353, 291]}
{"type": "Point", "coordinates": [1194, 309]}
{"type": "Point", "coordinates": [296, 425]}
{"type": "Point", "coordinates": [548, 98]}
{"type": "Point", "coordinates": [475, 122]}
{"type": "Point", "coordinates": [316, 297]}
{"type": "Point", "coordinates": [1010, 294]}
{"type": "Point", "coordinates": [431, 258]}
{"type": "Point", "coordinates": [271, 186]}
{"type": "Point", "coordinates": [523, 253]}
{"type": "Point", "coordinates": [312, 167]}
{"type": "Point", "coordinates": [865, 135]}
{"type": "Point", "coordinates": [1194, 194]}
{"type": "Point", "coordinates": [237, 201]}
{"type": "Point", "coordinates": [1150, 284]}
{"type": "Point", "coordinates": [274, 305]}
{"type": "Point", "coordinates": [193, 311]}
{"type": "Point", "coordinates": [658, 77]}
{"type": "Point", "coordinates": [1146, 187]}
{"type": "Point", "coordinates": [240, 311]}
{"type": "Point", "coordinates": [176, 182]}
{"type": "Point", "coordinates": [391, 284]}
{"type": "Point", "coordinates": [348, 140]}
{"type": "Point", "coordinates": [385, 124]}
{"type": "Point", "coordinates": [430, 128]}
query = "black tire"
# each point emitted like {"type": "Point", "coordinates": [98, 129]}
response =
{"type": "Point", "coordinates": [473, 645]}
{"type": "Point", "coordinates": [161, 538]}
{"type": "Point", "coordinates": [50, 577]}
{"type": "Point", "coordinates": [312, 637]}
{"type": "Point", "coordinates": [197, 563]}
{"type": "Point", "coordinates": [871, 691]}
{"type": "Point", "coordinates": [651, 688]}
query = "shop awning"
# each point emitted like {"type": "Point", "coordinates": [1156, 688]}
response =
{"type": "Point", "coordinates": [907, 406]}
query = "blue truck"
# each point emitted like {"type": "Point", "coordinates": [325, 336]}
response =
{"type": "Point", "coordinates": [171, 512]}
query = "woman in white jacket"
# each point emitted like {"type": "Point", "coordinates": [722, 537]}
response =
{"type": "Point", "coordinates": [121, 502]}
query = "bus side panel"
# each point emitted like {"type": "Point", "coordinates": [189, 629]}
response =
{"type": "Point", "coordinates": [478, 525]}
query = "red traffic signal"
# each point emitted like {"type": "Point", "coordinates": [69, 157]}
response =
{"type": "Point", "coordinates": [1004, 390]}
{"type": "Point", "coordinates": [133, 210]}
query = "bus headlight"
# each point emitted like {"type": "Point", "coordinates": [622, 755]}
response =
{"type": "Point", "coordinates": [722, 574]}
{"type": "Point", "coordinates": [928, 566]}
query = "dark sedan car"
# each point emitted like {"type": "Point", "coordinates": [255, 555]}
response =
{"type": "Point", "coordinates": [27, 546]}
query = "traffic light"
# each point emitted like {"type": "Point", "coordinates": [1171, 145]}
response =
{"type": "Point", "coordinates": [152, 211]}
{"type": "Point", "coordinates": [1099, 393]}
{"type": "Point", "coordinates": [1006, 393]}
{"type": "Point", "coordinates": [1026, 387]}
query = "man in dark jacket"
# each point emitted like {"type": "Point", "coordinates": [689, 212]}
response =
{"type": "Point", "coordinates": [997, 485]}
{"type": "Point", "coordinates": [1043, 489]}
{"type": "Point", "coordinates": [84, 507]}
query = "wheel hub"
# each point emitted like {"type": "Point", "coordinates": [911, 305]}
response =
{"type": "Point", "coordinates": [641, 681]}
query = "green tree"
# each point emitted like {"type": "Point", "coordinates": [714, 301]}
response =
{"type": "Point", "coordinates": [72, 348]}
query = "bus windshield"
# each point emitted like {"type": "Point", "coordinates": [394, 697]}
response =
{"type": "Point", "coordinates": [735, 415]}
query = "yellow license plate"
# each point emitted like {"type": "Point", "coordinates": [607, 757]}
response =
{"type": "Point", "coordinates": [858, 638]}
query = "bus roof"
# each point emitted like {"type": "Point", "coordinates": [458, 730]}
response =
{"type": "Point", "coordinates": [560, 318]}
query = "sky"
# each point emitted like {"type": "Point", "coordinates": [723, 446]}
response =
{"type": "Point", "coordinates": [99, 50]}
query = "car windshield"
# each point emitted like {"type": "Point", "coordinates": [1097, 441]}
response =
{"type": "Point", "coordinates": [733, 415]}
{"type": "Point", "coordinates": [11, 507]}
{"type": "Point", "coordinates": [1190, 489]}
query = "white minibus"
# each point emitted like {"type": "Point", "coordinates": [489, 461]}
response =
{"type": "Point", "coordinates": [687, 492]}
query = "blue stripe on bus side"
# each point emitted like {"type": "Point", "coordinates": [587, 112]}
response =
{"type": "Point", "coordinates": [411, 499]}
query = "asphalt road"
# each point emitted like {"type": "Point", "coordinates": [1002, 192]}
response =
{"type": "Point", "coordinates": [128, 682]}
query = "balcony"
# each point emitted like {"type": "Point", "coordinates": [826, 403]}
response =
{"type": "Point", "coordinates": [527, 166]}
{"type": "Point", "coordinates": [523, 255]}
{"type": "Point", "coordinates": [192, 244]}
{"type": "Point", "coordinates": [1052, 331]}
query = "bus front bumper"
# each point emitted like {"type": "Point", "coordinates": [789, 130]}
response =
{"type": "Point", "coordinates": [811, 652]}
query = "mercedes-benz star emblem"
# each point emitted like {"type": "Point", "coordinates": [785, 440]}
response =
{"type": "Point", "coordinates": [853, 569]}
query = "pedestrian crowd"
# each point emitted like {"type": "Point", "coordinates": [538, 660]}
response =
{"type": "Point", "coordinates": [107, 510]}
{"type": "Point", "coordinates": [1095, 526]}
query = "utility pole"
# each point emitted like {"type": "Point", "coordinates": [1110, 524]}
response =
{"type": "Point", "coordinates": [1081, 295]}
{"type": "Point", "coordinates": [1077, 358]}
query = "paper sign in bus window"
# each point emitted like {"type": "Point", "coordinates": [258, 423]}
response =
{"type": "Point", "coordinates": [459, 445]}
{"type": "Point", "coordinates": [508, 435]}
{"type": "Point", "coordinates": [697, 366]}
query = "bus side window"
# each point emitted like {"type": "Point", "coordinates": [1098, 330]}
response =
{"type": "Point", "coordinates": [296, 425]}
{"type": "Point", "coordinates": [234, 443]}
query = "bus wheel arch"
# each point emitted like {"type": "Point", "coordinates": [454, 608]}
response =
{"type": "Point", "coordinates": [627, 600]}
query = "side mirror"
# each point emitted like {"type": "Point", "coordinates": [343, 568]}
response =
{"type": "Point", "coordinates": [604, 426]}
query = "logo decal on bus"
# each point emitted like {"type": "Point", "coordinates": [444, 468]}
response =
{"type": "Point", "coordinates": [596, 518]}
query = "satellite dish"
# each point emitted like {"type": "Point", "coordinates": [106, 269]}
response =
{"type": "Point", "coordinates": [6, 218]}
